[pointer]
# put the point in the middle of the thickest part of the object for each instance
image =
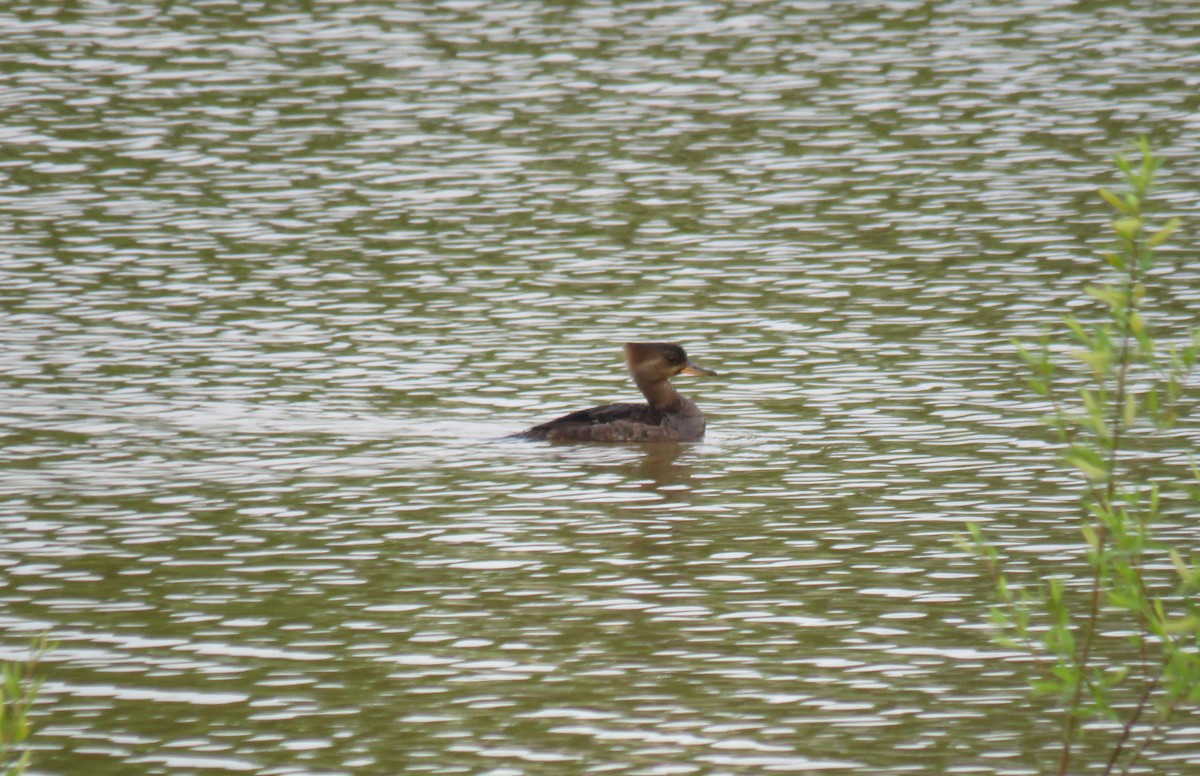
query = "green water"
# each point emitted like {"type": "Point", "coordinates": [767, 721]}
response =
{"type": "Point", "coordinates": [276, 280]}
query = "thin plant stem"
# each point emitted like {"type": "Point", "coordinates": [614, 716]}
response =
{"type": "Point", "coordinates": [994, 572]}
{"type": "Point", "coordinates": [1105, 503]}
{"type": "Point", "coordinates": [1091, 674]}
{"type": "Point", "coordinates": [1127, 727]}
{"type": "Point", "coordinates": [1151, 734]}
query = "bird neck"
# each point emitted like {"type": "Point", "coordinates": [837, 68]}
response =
{"type": "Point", "coordinates": [660, 394]}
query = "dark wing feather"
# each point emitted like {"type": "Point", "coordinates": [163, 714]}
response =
{"type": "Point", "coordinates": [611, 422]}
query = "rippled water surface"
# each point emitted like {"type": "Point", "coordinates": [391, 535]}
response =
{"type": "Point", "coordinates": [276, 283]}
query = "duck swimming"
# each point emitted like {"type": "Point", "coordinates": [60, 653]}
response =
{"type": "Point", "coordinates": [668, 416]}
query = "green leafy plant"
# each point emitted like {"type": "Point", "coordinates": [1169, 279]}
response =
{"type": "Point", "coordinates": [18, 689]}
{"type": "Point", "coordinates": [1120, 643]}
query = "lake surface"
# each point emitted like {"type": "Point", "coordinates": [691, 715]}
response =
{"type": "Point", "coordinates": [276, 283]}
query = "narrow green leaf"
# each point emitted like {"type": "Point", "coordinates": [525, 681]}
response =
{"type": "Point", "coordinates": [1162, 235]}
{"type": "Point", "coordinates": [1146, 347]}
{"type": "Point", "coordinates": [1046, 687]}
{"type": "Point", "coordinates": [1056, 590]}
{"type": "Point", "coordinates": [1089, 536]}
{"type": "Point", "coordinates": [1135, 323]}
{"type": "Point", "coordinates": [1124, 601]}
{"type": "Point", "coordinates": [1026, 356]}
{"type": "Point", "coordinates": [1113, 200]}
{"type": "Point", "coordinates": [1077, 330]}
{"type": "Point", "coordinates": [1088, 462]}
{"type": "Point", "coordinates": [1115, 260]}
{"type": "Point", "coordinates": [1127, 227]}
{"type": "Point", "coordinates": [1181, 568]}
{"type": "Point", "coordinates": [1182, 624]}
{"type": "Point", "coordinates": [1145, 259]}
{"type": "Point", "coordinates": [1099, 361]}
{"type": "Point", "coordinates": [998, 617]}
{"type": "Point", "coordinates": [1095, 418]}
{"type": "Point", "coordinates": [1115, 676]}
{"type": "Point", "coordinates": [1113, 297]}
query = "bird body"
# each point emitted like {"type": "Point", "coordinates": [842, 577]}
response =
{"type": "Point", "coordinates": [666, 417]}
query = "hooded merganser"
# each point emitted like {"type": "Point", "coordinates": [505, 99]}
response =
{"type": "Point", "coordinates": [668, 417]}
